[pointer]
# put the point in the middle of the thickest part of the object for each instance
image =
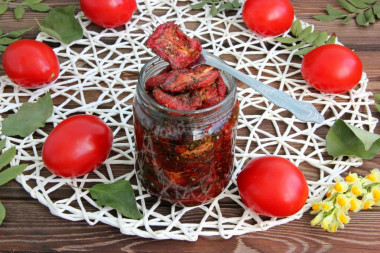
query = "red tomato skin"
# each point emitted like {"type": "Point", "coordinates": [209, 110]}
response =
{"type": "Point", "coordinates": [332, 68]}
{"type": "Point", "coordinates": [272, 186]}
{"type": "Point", "coordinates": [30, 63]}
{"type": "Point", "coordinates": [109, 13]}
{"type": "Point", "coordinates": [268, 18]}
{"type": "Point", "coordinates": [77, 146]}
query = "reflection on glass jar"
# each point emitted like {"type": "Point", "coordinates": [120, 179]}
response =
{"type": "Point", "coordinates": [184, 157]}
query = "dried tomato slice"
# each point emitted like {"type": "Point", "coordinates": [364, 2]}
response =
{"type": "Point", "coordinates": [190, 79]}
{"type": "Point", "coordinates": [156, 81]}
{"type": "Point", "coordinates": [184, 102]}
{"type": "Point", "coordinates": [173, 46]}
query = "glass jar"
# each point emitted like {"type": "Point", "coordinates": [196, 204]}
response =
{"type": "Point", "coordinates": [184, 157]}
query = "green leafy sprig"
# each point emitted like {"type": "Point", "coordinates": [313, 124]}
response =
{"type": "Point", "coordinates": [217, 6]}
{"type": "Point", "coordinates": [305, 39]}
{"type": "Point", "coordinates": [8, 38]}
{"type": "Point", "coordinates": [8, 174]}
{"type": "Point", "coordinates": [365, 12]}
{"type": "Point", "coordinates": [20, 8]}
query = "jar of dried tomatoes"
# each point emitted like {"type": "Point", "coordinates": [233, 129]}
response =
{"type": "Point", "coordinates": [184, 157]}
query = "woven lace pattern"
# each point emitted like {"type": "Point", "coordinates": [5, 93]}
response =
{"type": "Point", "coordinates": [107, 64]}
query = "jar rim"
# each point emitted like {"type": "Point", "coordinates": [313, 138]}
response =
{"type": "Point", "coordinates": [171, 112]}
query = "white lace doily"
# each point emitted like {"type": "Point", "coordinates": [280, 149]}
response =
{"type": "Point", "coordinates": [98, 76]}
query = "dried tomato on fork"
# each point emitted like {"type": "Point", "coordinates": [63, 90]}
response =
{"type": "Point", "coordinates": [173, 46]}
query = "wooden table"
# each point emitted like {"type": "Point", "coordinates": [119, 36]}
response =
{"type": "Point", "coordinates": [30, 227]}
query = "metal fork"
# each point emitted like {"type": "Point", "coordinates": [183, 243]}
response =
{"type": "Point", "coordinates": [301, 110]}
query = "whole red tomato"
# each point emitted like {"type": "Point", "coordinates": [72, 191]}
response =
{"type": "Point", "coordinates": [108, 13]}
{"type": "Point", "coordinates": [272, 186]}
{"type": "Point", "coordinates": [30, 63]}
{"type": "Point", "coordinates": [268, 17]}
{"type": "Point", "coordinates": [77, 146]}
{"type": "Point", "coordinates": [332, 68]}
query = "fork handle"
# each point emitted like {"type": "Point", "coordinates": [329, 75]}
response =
{"type": "Point", "coordinates": [301, 110]}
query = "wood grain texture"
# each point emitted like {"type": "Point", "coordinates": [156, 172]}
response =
{"type": "Point", "coordinates": [30, 227]}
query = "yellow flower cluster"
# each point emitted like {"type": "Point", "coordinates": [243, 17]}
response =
{"type": "Point", "coordinates": [352, 194]}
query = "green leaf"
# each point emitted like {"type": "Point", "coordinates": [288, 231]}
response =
{"type": "Point", "coordinates": [346, 20]}
{"type": "Point", "coordinates": [369, 1]}
{"type": "Point", "coordinates": [296, 46]}
{"type": "Point", "coordinates": [305, 32]}
{"type": "Point", "coordinates": [312, 37]}
{"type": "Point", "coordinates": [226, 6]}
{"type": "Point", "coordinates": [370, 16]}
{"type": "Point", "coordinates": [344, 139]}
{"type": "Point", "coordinates": [361, 19]}
{"type": "Point", "coordinates": [358, 4]}
{"type": "Point", "coordinates": [322, 37]}
{"type": "Point", "coordinates": [19, 12]}
{"type": "Point", "coordinates": [31, 2]}
{"type": "Point", "coordinates": [198, 6]}
{"type": "Point", "coordinates": [213, 10]}
{"type": "Point", "coordinates": [1, 32]}
{"type": "Point", "coordinates": [2, 213]}
{"type": "Point", "coordinates": [29, 117]}
{"type": "Point", "coordinates": [2, 144]}
{"type": "Point", "coordinates": [3, 8]}
{"type": "Point", "coordinates": [334, 11]}
{"type": "Point", "coordinates": [377, 96]}
{"type": "Point", "coordinates": [18, 33]}
{"type": "Point", "coordinates": [40, 7]}
{"type": "Point", "coordinates": [7, 156]}
{"type": "Point", "coordinates": [2, 48]}
{"type": "Point", "coordinates": [118, 195]}
{"type": "Point", "coordinates": [305, 50]}
{"type": "Point", "coordinates": [7, 41]}
{"type": "Point", "coordinates": [326, 18]}
{"type": "Point", "coordinates": [286, 40]}
{"type": "Point", "coordinates": [11, 173]}
{"type": "Point", "coordinates": [331, 40]}
{"type": "Point", "coordinates": [376, 9]}
{"type": "Point", "coordinates": [296, 28]}
{"type": "Point", "coordinates": [61, 24]}
{"type": "Point", "coordinates": [347, 6]}
{"type": "Point", "coordinates": [236, 3]}
{"type": "Point", "coordinates": [377, 106]}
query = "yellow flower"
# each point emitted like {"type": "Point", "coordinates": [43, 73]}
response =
{"type": "Point", "coordinates": [374, 176]}
{"type": "Point", "coordinates": [357, 189]}
{"type": "Point", "coordinates": [342, 202]}
{"type": "Point", "coordinates": [355, 205]}
{"type": "Point", "coordinates": [352, 177]}
{"type": "Point", "coordinates": [340, 187]}
{"type": "Point", "coordinates": [368, 201]}
{"type": "Point", "coordinates": [342, 218]}
{"type": "Point", "coordinates": [376, 193]}
{"type": "Point", "coordinates": [327, 206]}
{"type": "Point", "coordinates": [368, 204]}
{"type": "Point", "coordinates": [333, 228]}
